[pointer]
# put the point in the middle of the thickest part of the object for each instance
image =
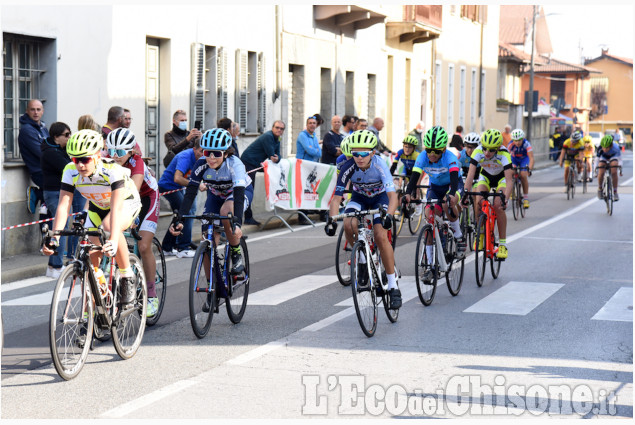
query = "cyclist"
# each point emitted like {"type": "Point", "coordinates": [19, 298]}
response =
{"type": "Point", "coordinates": [372, 187]}
{"type": "Point", "coordinates": [522, 156]}
{"type": "Point", "coordinates": [113, 201]}
{"type": "Point", "coordinates": [408, 155]}
{"type": "Point", "coordinates": [444, 174]}
{"type": "Point", "coordinates": [496, 169]}
{"type": "Point", "coordinates": [589, 152]}
{"type": "Point", "coordinates": [470, 143]}
{"type": "Point", "coordinates": [609, 154]}
{"type": "Point", "coordinates": [572, 149]}
{"type": "Point", "coordinates": [120, 146]}
{"type": "Point", "coordinates": [346, 154]}
{"type": "Point", "coordinates": [228, 190]}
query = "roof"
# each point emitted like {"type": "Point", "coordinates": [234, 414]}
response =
{"type": "Point", "coordinates": [515, 27]}
{"type": "Point", "coordinates": [556, 66]}
{"type": "Point", "coordinates": [606, 55]}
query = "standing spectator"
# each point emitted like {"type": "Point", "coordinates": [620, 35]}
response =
{"type": "Point", "coordinates": [176, 176]}
{"type": "Point", "coordinates": [331, 145]}
{"type": "Point", "coordinates": [127, 118]}
{"type": "Point", "coordinates": [179, 138]}
{"type": "Point", "coordinates": [417, 132]}
{"type": "Point", "coordinates": [348, 124]}
{"type": "Point", "coordinates": [233, 128]}
{"type": "Point", "coordinates": [555, 143]}
{"type": "Point", "coordinates": [33, 132]}
{"type": "Point", "coordinates": [307, 145]}
{"type": "Point", "coordinates": [507, 135]}
{"type": "Point", "coordinates": [266, 146]}
{"type": "Point", "coordinates": [457, 140]}
{"type": "Point", "coordinates": [378, 125]}
{"type": "Point", "coordinates": [362, 124]}
{"type": "Point", "coordinates": [115, 120]}
{"type": "Point", "coordinates": [87, 122]}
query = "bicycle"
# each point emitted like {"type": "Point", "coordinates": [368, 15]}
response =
{"type": "Point", "coordinates": [368, 295]}
{"type": "Point", "coordinates": [607, 187]}
{"type": "Point", "coordinates": [518, 208]}
{"type": "Point", "coordinates": [585, 175]}
{"type": "Point", "coordinates": [407, 213]}
{"type": "Point", "coordinates": [207, 295]}
{"type": "Point", "coordinates": [486, 226]}
{"type": "Point", "coordinates": [438, 235]}
{"type": "Point", "coordinates": [466, 220]}
{"type": "Point", "coordinates": [571, 178]}
{"type": "Point", "coordinates": [80, 304]}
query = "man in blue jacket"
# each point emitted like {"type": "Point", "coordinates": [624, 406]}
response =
{"type": "Point", "coordinates": [307, 145]}
{"type": "Point", "coordinates": [32, 133]}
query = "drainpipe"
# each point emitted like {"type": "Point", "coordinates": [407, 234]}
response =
{"type": "Point", "coordinates": [480, 82]}
{"type": "Point", "coordinates": [278, 36]}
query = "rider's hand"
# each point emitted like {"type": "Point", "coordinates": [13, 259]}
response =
{"type": "Point", "coordinates": [331, 227]}
{"type": "Point", "coordinates": [81, 217]}
{"type": "Point", "coordinates": [504, 203]}
{"type": "Point", "coordinates": [109, 248]}
{"type": "Point", "coordinates": [175, 228]}
{"type": "Point", "coordinates": [386, 222]}
{"type": "Point", "coordinates": [50, 246]}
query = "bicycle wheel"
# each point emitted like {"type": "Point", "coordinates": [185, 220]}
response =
{"type": "Point", "coordinates": [71, 322]}
{"type": "Point", "coordinates": [392, 234]}
{"type": "Point", "coordinates": [393, 315]}
{"type": "Point", "coordinates": [202, 297]}
{"type": "Point", "coordinates": [608, 195]}
{"type": "Point", "coordinates": [426, 264]}
{"type": "Point", "coordinates": [364, 296]}
{"type": "Point", "coordinates": [467, 226]}
{"type": "Point", "coordinates": [495, 263]}
{"type": "Point", "coordinates": [343, 259]}
{"type": "Point", "coordinates": [160, 280]}
{"type": "Point", "coordinates": [454, 276]}
{"type": "Point", "coordinates": [480, 254]}
{"type": "Point", "coordinates": [128, 328]}
{"type": "Point", "coordinates": [237, 301]}
{"type": "Point", "coordinates": [416, 219]}
{"type": "Point", "coordinates": [514, 201]}
{"type": "Point", "coordinates": [585, 176]}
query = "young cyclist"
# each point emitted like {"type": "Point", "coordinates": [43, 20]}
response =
{"type": "Point", "coordinates": [113, 201]}
{"type": "Point", "coordinates": [120, 144]}
{"type": "Point", "coordinates": [444, 173]}
{"type": "Point", "coordinates": [372, 187]}
{"type": "Point", "coordinates": [496, 170]}
{"type": "Point", "coordinates": [589, 152]}
{"type": "Point", "coordinates": [522, 156]}
{"type": "Point", "coordinates": [609, 154]}
{"type": "Point", "coordinates": [346, 154]}
{"type": "Point", "coordinates": [408, 155]}
{"type": "Point", "coordinates": [571, 150]}
{"type": "Point", "coordinates": [470, 143]}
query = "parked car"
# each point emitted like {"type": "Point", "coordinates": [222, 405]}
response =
{"type": "Point", "coordinates": [596, 137]}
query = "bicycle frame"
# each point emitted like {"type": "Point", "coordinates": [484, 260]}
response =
{"type": "Point", "coordinates": [488, 210]}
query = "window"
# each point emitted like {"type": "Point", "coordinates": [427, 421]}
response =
{"type": "Point", "coordinates": [476, 13]}
{"type": "Point", "coordinates": [437, 93]}
{"type": "Point", "coordinates": [249, 90]}
{"type": "Point", "coordinates": [450, 121]}
{"type": "Point", "coordinates": [473, 100]}
{"type": "Point", "coordinates": [462, 98]}
{"type": "Point", "coordinates": [372, 92]}
{"type": "Point", "coordinates": [349, 105]}
{"type": "Point", "coordinates": [209, 85]}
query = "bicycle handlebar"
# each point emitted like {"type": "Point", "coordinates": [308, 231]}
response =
{"type": "Point", "coordinates": [358, 214]}
{"type": "Point", "coordinates": [486, 195]}
{"type": "Point", "coordinates": [212, 217]}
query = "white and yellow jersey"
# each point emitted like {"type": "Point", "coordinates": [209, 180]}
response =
{"type": "Point", "coordinates": [98, 188]}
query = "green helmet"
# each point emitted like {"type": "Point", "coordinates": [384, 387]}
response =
{"type": "Point", "coordinates": [411, 140]}
{"type": "Point", "coordinates": [491, 139]}
{"type": "Point", "coordinates": [435, 138]}
{"type": "Point", "coordinates": [84, 143]}
{"type": "Point", "coordinates": [344, 146]}
{"type": "Point", "coordinates": [365, 139]}
{"type": "Point", "coordinates": [607, 141]}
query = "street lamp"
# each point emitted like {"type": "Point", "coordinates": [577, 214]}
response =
{"type": "Point", "coordinates": [530, 101]}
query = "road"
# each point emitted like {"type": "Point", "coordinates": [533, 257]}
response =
{"type": "Point", "coordinates": [552, 336]}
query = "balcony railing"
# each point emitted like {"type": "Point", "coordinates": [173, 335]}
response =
{"type": "Point", "coordinates": [426, 14]}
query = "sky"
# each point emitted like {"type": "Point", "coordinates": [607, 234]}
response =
{"type": "Point", "coordinates": [591, 25]}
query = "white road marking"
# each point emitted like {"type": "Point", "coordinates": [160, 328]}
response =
{"type": "Point", "coordinates": [257, 352]}
{"type": "Point", "coordinates": [6, 287]}
{"type": "Point", "coordinates": [619, 308]}
{"type": "Point", "coordinates": [515, 298]}
{"type": "Point", "coordinates": [580, 240]}
{"type": "Point", "coordinates": [44, 298]}
{"type": "Point", "coordinates": [407, 286]}
{"type": "Point", "coordinates": [290, 289]}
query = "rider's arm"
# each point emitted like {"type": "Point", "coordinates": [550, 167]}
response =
{"type": "Point", "coordinates": [63, 208]}
{"type": "Point", "coordinates": [530, 154]}
{"type": "Point", "coordinates": [188, 199]}
{"type": "Point", "coordinates": [138, 180]}
{"type": "Point", "coordinates": [335, 205]}
{"type": "Point", "coordinates": [509, 177]}
{"type": "Point", "coordinates": [454, 182]}
{"type": "Point", "coordinates": [239, 203]}
{"type": "Point", "coordinates": [116, 207]}
{"type": "Point", "coordinates": [414, 178]}
{"type": "Point", "coordinates": [470, 177]}
{"type": "Point", "coordinates": [561, 156]}
{"type": "Point", "coordinates": [393, 167]}
{"type": "Point", "coordinates": [393, 201]}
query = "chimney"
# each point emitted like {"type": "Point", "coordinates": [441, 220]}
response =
{"type": "Point", "coordinates": [605, 51]}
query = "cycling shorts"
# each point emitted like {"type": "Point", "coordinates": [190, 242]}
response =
{"type": "Point", "coordinates": [439, 192]}
{"type": "Point", "coordinates": [520, 162]}
{"type": "Point", "coordinates": [149, 215]}
{"type": "Point", "coordinates": [130, 210]}
{"type": "Point", "coordinates": [360, 202]}
{"type": "Point", "coordinates": [568, 159]}
{"type": "Point", "coordinates": [497, 182]}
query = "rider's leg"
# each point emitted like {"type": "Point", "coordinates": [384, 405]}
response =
{"type": "Point", "coordinates": [148, 260]}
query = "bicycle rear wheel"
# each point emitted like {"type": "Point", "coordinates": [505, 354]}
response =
{"type": "Point", "coordinates": [480, 254]}
{"type": "Point", "coordinates": [495, 263]}
{"type": "Point", "coordinates": [608, 195]}
{"type": "Point", "coordinates": [514, 201]}
{"type": "Point", "coordinates": [160, 280]}
{"type": "Point", "coordinates": [585, 176]}
{"type": "Point", "coordinates": [364, 296]}
{"type": "Point", "coordinates": [71, 322]}
{"type": "Point", "coordinates": [129, 326]}
{"type": "Point", "coordinates": [454, 276]}
{"type": "Point", "coordinates": [202, 296]}
{"type": "Point", "coordinates": [414, 224]}
{"type": "Point", "coordinates": [521, 206]}
{"type": "Point", "coordinates": [237, 301]}
{"type": "Point", "coordinates": [343, 259]}
{"type": "Point", "coordinates": [393, 315]}
{"type": "Point", "coordinates": [426, 265]}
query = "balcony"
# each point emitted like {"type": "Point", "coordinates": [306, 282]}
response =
{"type": "Point", "coordinates": [420, 24]}
{"type": "Point", "coordinates": [361, 17]}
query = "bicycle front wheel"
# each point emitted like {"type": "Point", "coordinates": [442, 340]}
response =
{"type": "Point", "coordinates": [495, 262]}
{"type": "Point", "coordinates": [343, 259]}
{"type": "Point", "coordinates": [128, 328]}
{"type": "Point", "coordinates": [239, 291]}
{"type": "Point", "coordinates": [608, 195]}
{"type": "Point", "coordinates": [427, 266]}
{"type": "Point", "coordinates": [160, 280]}
{"type": "Point", "coordinates": [202, 294]}
{"type": "Point", "coordinates": [454, 276]}
{"type": "Point", "coordinates": [393, 314]}
{"type": "Point", "coordinates": [71, 322]}
{"type": "Point", "coordinates": [585, 177]}
{"type": "Point", "coordinates": [521, 206]}
{"type": "Point", "coordinates": [364, 296]}
{"type": "Point", "coordinates": [514, 201]}
{"type": "Point", "coordinates": [480, 253]}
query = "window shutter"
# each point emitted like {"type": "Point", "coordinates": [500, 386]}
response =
{"type": "Point", "coordinates": [262, 94]}
{"type": "Point", "coordinates": [197, 94]}
{"type": "Point", "coordinates": [221, 84]}
{"type": "Point", "coordinates": [241, 88]}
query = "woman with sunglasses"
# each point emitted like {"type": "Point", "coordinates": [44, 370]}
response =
{"type": "Point", "coordinates": [228, 189]}
{"type": "Point", "coordinates": [444, 174]}
{"type": "Point", "coordinates": [113, 201]}
{"type": "Point", "coordinates": [496, 169]}
{"type": "Point", "coordinates": [120, 146]}
{"type": "Point", "coordinates": [372, 187]}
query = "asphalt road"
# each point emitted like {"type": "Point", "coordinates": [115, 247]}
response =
{"type": "Point", "coordinates": [552, 336]}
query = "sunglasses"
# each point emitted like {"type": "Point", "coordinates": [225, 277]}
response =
{"type": "Point", "coordinates": [120, 153]}
{"type": "Point", "coordinates": [492, 150]}
{"type": "Point", "coordinates": [83, 160]}
{"type": "Point", "coordinates": [67, 134]}
{"type": "Point", "coordinates": [363, 154]}
{"type": "Point", "coordinates": [278, 128]}
{"type": "Point", "coordinates": [435, 151]}
{"type": "Point", "coordinates": [215, 154]}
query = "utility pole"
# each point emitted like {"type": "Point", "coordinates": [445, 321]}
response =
{"type": "Point", "coordinates": [530, 101]}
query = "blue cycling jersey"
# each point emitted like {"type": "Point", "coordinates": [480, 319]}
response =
{"type": "Point", "coordinates": [220, 182]}
{"type": "Point", "coordinates": [613, 153]}
{"type": "Point", "coordinates": [407, 160]}
{"type": "Point", "coordinates": [438, 172]}
{"type": "Point", "coordinates": [370, 182]}
{"type": "Point", "coordinates": [464, 159]}
{"type": "Point", "coordinates": [519, 152]}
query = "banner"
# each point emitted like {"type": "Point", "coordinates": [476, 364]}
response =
{"type": "Point", "coordinates": [296, 184]}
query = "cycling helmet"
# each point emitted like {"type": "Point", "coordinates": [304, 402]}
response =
{"type": "Point", "coordinates": [365, 139]}
{"type": "Point", "coordinates": [216, 139]}
{"type": "Point", "coordinates": [436, 138]}
{"type": "Point", "coordinates": [607, 141]}
{"type": "Point", "coordinates": [472, 139]}
{"type": "Point", "coordinates": [84, 143]}
{"type": "Point", "coordinates": [411, 140]}
{"type": "Point", "coordinates": [120, 138]}
{"type": "Point", "coordinates": [587, 139]}
{"type": "Point", "coordinates": [344, 146]}
{"type": "Point", "coordinates": [491, 139]}
{"type": "Point", "coordinates": [577, 135]}
{"type": "Point", "coordinates": [518, 134]}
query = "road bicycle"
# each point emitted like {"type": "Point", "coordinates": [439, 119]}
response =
{"type": "Point", "coordinates": [437, 255]}
{"type": "Point", "coordinates": [80, 304]}
{"type": "Point", "coordinates": [368, 277]}
{"type": "Point", "coordinates": [486, 230]}
{"type": "Point", "coordinates": [467, 222]}
{"type": "Point", "coordinates": [585, 175]}
{"type": "Point", "coordinates": [518, 208]}
{"type": "Point", "coordinates": [571, 178]}
{"type": "Point", "coordinates": [407, 212]}
{"type": "Point", "coordinates": [607, 187]}
{"type": "Point", "coordinates": [212, 283]}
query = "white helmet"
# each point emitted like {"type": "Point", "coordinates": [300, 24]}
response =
{"type": "Point", "coordinates": [120, 138]}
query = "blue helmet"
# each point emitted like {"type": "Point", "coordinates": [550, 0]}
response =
{"type": "Point", "coordinates": [216, 139]}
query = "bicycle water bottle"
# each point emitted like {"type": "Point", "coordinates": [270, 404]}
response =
{"type": "Point", "coordinates": [101, 280]}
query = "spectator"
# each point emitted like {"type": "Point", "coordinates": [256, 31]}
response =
{"type": "Point", "coordinates": [176, 176]}
{"type": "Point", "coordinates": [179, 138]}
{"type": "Point", "coordinates": [87, 122]}
{"type": "Point", "coordinates": [115, 120]}
{"type": "Point", "coordinates": [331, 145]}
{"type": "Point", "coordinates": [457, 139]}
{"type": "Point", "coordinates": [507, 135]}
{"type": "Point", "coordinates": [362, 124]}
{"type": "Point", "coordinates": [33, 132]}
{"type": "Point", "coordinates": [348, 124]}
{"type": "Point", "coordinates": [555, 143]}
{"type": "Point", "coordinates": [417, 132]}
{"type": "Point", "coordinates": [378, 125]}
{"type": "Point", "coordinates": [127, 118]}
{"type": "Point", "coordinates": [233, 128]}
{"type": "Point", "coordinates": [307, 145]}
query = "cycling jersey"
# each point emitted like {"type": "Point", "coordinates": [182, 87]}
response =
{"type": "Point", "coordinates": [614, 153]}
{"type": "Point", "coordinates": [407, 160]}
{"type": "Point", "coordinates": [438, 172]}
{"type": "Point", "coordinates": [464, 159]}
{"type": "Point", "coordinates": [494, 166]}
{"type": "Point", "coordinates": [370, 182]}
{"type": "Point", "coordinates": [98, 187]}
{"type": "Point", "coordinates": [588, 150]}
{"type": "Point", "coordinates": [136, 166]}
{"type": "Point", "coordinates": [571, 148]}
{"type": "Point", "coordinates": [220, 182]}
{"type": "Point", "coordinates": [519, 152]}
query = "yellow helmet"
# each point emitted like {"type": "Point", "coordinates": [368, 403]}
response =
{"type": "Point", "coordinates": [84, 143]}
